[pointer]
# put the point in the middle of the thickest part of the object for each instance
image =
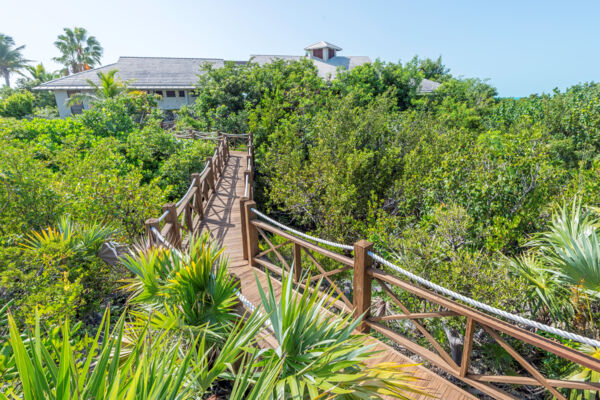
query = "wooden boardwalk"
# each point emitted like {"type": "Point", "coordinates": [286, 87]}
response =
{"type": "Point", "coordinates": [223, 219]}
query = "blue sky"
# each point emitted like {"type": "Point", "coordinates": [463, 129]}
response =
{"type": "Point", "coordinates": [522, 47]}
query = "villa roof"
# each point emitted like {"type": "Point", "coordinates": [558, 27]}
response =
{"type": "Point", "coordinates": [182, 73]}
{"type": "Point", "coordinates": [141, 73]}
{"type": "Point", "coordinates": [322, 44]}
{"type": "Point", "coordinates": [428, 86]}
{"type": "Point", "coordinates": [325, 69]}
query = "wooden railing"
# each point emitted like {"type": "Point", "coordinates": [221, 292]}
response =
{"type": "Point", "coordinates": [278, 251]}
{"type": "Point", "coordinates": [182, 219]}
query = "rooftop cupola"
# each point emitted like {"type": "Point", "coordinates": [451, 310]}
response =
{"type": "Point", "coordinates": [323, 50]}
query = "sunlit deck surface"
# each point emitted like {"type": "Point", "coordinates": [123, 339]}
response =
{"type": "Point", "coordinates": [223, 220]}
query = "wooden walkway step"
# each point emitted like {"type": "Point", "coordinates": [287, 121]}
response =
{"type": "Point", "coordinates": [223, 221]}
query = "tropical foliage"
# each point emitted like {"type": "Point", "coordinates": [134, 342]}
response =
{"type": "Point", "coordinates": [108, 87]}
{"type": "Point", "coordinates": [11, 58]}
{"type": "Point", "coordinates": [79, 51]}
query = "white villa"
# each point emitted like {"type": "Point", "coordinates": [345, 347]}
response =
{"type": "Point", "coordinates": [174, 79]}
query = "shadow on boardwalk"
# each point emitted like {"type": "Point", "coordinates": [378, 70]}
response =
{"type": "Point", "coordinates": [222, 219]}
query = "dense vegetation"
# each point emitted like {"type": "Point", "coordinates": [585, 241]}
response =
{"type": "Point", "coordinates": [492, 197]}
{"type": "Point", "coordinates": [459, 186]}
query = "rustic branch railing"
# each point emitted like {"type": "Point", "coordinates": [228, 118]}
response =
{"type": "Point", "coordinates": [284, 249]}
{"type": "Point", "coordinates": [233, 138]}
{"type": "Point", "coordinates": [182, 219]}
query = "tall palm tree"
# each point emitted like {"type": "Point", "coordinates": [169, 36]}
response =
{"type": "Point", "coordinates": [79, 50]}
{"type": "Point", "coordinates": [11, 59]}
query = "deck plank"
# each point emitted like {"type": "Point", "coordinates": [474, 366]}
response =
{"type": "Point", "coordinates": [223, 222]}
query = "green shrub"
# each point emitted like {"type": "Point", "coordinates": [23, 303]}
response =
{"type": "Point", "coordinates": [30, 196]}
{"type": "Point", "coordinates": [175, 172]}
{"type": "Point", "coordinates": [57, 271]}
{"type": "Point", "coordinates": [150, 147]}
{"type": "Point", "coordinates": [17, 105]}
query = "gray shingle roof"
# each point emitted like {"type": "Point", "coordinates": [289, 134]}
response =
{"type": "Point", "coordinates": [326, 69]}
{"type": "Point", "coordinates": [323, 44]}
{"type": "Point", "coordinates": [428, 86]}
{"type": "Point", "coordinates": [182, 73]}
{"type": "Point", "coordinates": [142, 73]}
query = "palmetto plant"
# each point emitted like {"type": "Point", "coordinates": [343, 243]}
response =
{"type": "Point", "coordinates": [322, 357]}
{"type": "Point", "coordinates": [193, 288]}
{"type": "Point", "coordinates": [11, 58]}
{"type": "Point", "coordinates": [545, 288]}
{"type": "Point", "coordinates": [86, 238]}
{"type": "Point", "coordinates": [79, 51]}
{"type": "Point", "coordinates": [572, 246]}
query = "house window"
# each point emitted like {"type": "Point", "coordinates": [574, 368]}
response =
{"type": "Point", "coordinates": [170, 93]}
{"type": "Point", "coordinates": [318, 53]}
{"type": "Point", "coordinates": [331, 53]}
{"type": "Point", "coordinates": [181, 93]}
{"type": "Point", "coordinates": [158, 92]}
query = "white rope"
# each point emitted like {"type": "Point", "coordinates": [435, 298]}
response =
{"type": "Point", "coordinates": [483, 306]}
{"type": "Point", "coordinates": [443, 290]}
{"type": "Point", "coordinates": [163, 216]}
{"type": "Point", "coordinates": [192, 185]}
{"type": "Point", "coordinates": [164, 241]}
{"type": "Point", "coordinates": [246, 188]}
{"type": "Point", "coordinates": [304, 235]}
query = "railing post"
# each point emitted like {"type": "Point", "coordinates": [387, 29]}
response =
{"type": "Point", "coordinates": [467, 347]}
{"type": "Point", "coordinates": [152, 223]}
{"type": "Point", "coordinates": [174, 235]}
{"type": "Point", "coordinates": [362, 282]}
{"type": "Point", "coordinates": [210, 177]}
{"type": "Point", "coordinates": [243, 201]}
{"type": "Point", "coordinates": [251, 232]}
{"type": "Point", "coordinates": [297, 262]}
{"type": "Point", "coordinates": [198, 197]}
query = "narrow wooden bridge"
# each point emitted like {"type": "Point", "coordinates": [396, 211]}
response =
{"type": "Point", "coordinates": [220, 201]}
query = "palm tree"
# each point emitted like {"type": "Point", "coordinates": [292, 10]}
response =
{"type": "Point", "coordinates": [39, 74]}
{"type": "Point", "coordinates": [79, 51]}
{"type": "Point", "coordinates": [108, 87]}
{"type": "Point", "coordinates": [11, 59]}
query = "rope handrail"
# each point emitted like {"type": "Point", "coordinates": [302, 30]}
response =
{"type": "Point", "coordinates": [192, 186]}
{"type": "Point", "coordinates": [450, 293]}
{"type": "Point", "coordinates": [483, 306]}
{"type": "Point", "coordinates": [304, 235]}
{"type": "Point", "coordinates": [246, 187]}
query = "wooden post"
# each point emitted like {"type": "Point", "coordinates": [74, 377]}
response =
{"type": "Point", "coordinates": [297, 262]}
{"type": "Point", "coordinates": [210, 177]}
{"type": "Point", "coordinates": [362, 282]}
{"type": "Point", "coordinates": [152, 223]}
{"type": "Point", "coordinates": [467, 347]}
{"type": "Point", "coordinates": [251, 232]}
{"type": "Point", "coordinates": [174, 234]}
{"type": "Point", "coordinates": [198, 197]}
{"type": "Point", "coordinates": [243, 201]}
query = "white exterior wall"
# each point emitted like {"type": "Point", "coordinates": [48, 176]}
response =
{"type": "Point", "coordinates": [166, 103]}
{"type": "Point", "coordinates": [61, 98]}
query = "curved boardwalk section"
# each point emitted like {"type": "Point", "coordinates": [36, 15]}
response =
{"type": "Point", "coordinates": [223, 221]}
